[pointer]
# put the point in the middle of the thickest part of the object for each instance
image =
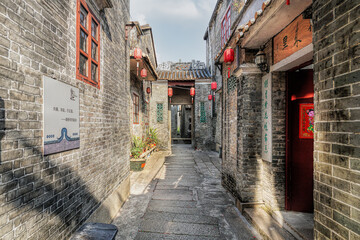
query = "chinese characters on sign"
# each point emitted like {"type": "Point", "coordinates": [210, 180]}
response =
{"type": "Point", "coordinates": [266, 119]}
{"type": "Point", "coordinates": [294, 37]}
{"type": "Point", "coordinates": [61, 117]}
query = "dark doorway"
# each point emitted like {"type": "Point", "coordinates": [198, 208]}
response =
{"type": "Point", "coordinates": [181, 124]}
{"type": "Point", "coordinates": [300, 143]}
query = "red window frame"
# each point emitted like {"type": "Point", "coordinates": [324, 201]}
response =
{"type": "Point", "coordinates": [225, 27]}
{"type": "Point", "coordinates": [136, 109]}
{"type": "Point", "coordinates": [91, 37]}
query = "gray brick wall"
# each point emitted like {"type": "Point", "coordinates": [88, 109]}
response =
{"type": "Point", "coordinates": [249, 137]}
{"type": "Point", "coordinates": [273, 173]}
{"type": "Point", "coordinates": [49, 197]}
{"type": "Point", "coordinates": [337, 153]}
{"type": "Point", "coordinates": [159, 95]}
{"type": "Point", "coordinates": [203, 130]}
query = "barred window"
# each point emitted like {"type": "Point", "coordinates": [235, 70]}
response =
{"type": "Point", "coordinates": [159, 112]}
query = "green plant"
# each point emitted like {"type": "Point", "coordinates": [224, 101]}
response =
{"type": "Point", "coordinates": [152, 136]}
{"type": "Point", "coordinates": [136, 152]}
{"type": "Point", "coordinates": [138, 142]}
{"type": "Point", "coordinates": [137, 147]}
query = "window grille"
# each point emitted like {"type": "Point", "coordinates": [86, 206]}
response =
{"type": "Point", "coordinates": [159, 112]}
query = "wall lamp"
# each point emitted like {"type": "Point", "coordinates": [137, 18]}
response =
{"type": "Point", "coordinates": [260, 61]}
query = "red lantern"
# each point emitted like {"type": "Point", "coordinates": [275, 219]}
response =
{"type": "Point", "coordinates": [148, 90]}
{"type": "Point", "coordinates": [192, 91]}
{"type": "Point", "coordinates": [170, 93]}
{"type": "Point", "coordinates": [229, 58]}
{"type": "Point", "coordinates": [213, 86]}
{"type": "Point", "coordinates": [143, 73]}
{"type": "Point", "coordinates": [287, 2]}
{"type": "Point", "coordinates": [229, 55]}
{"type": "Point", "coordinates": [192, 94]}
{"type": "Point", "coordinates": [137, 54]}
{"type": "Point", "coordinates": [209, 97]}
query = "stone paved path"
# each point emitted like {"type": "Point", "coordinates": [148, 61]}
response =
{"type": "Point", "coordinates": [184, 201]}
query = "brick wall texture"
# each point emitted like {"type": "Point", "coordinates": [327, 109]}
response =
{"type": "Point", "coordinates": [336, 41]}
{"type": "Point", "coordinates": [159, 95]}
{"type": "Point", "coordinates": [202, 130]}
{"type": "Point", "coordinates": [49, 197]}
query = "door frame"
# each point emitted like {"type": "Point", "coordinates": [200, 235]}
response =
{"type": "Point", "coordinates": [287, 135]}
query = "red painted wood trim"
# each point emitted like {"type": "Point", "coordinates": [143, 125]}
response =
{"type": "Point", "coordinates": [90, 38]}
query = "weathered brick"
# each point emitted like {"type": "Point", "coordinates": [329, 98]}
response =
{"type": "Point", "coordinates": [347, 222]}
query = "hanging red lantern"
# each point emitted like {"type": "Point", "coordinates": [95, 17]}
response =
{"type": "Point", "coordinates": [148, 90]}
{"type": "Point", "coordinates": [229, 58]}
{"type": "Point", "coordinates": [143, 73]}
{"type": "Point", "coordinates": [213, 86]}
{"type": "Point", "coordinates": [192, 91]}
{"type": "Point", "coordinates": [137, 53]}
{"type": "Point", "coordinates": [209, 97]}
{"type": "Point", "coordinates": [137, 56]}
{"type": "Point", "coordinates": [192, 94]}
{"type": "Point", "coordinates": [229, 55]}
{"type": "Point", "coordinates": [170, 92]}
{"type": "Point", "coordinates": [287, 2]}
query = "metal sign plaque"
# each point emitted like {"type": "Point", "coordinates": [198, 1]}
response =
{"type": "Point", "coordinates": [61, 117]}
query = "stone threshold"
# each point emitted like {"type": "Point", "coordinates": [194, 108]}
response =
{"type": "Point", "coordinates": [267, 226]}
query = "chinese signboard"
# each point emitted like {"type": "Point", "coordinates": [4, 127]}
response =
{"type": "Point", "coordinates": [266, 152]}
{"type": "Point", "coordinates": [306, 122]}
{"type": "Point", "coordinates": [61, 117]}
{"type": "Point", "coordinates": [294, 37]}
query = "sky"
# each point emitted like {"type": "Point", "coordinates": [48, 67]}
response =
{"type": "Point", "coordinates": [178, 26]}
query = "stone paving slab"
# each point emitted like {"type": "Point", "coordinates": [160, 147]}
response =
{"type": "Point", "coordinates": [158, 236]}
{"type": "Point", "coordinates": [185, 201]}
{"type": "Point", "coordinates": [173, 196]}
{"type": "Point", "coordinates": [167, 187]}
{"type": "Point", "coordinates": [177, 217]}
{"type": "Point", "coordinates": [180, 228]}
{"type": "Point", "coordinates": [180, 210]}
{"type": "Point", "coordinates": [167, 203]}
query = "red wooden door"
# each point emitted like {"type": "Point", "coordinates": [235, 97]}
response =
{"type": "Point", "coordinates": [300, 150]}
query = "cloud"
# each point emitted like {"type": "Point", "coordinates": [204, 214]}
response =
{"type": "Point", "coordinates": [166, 9]}
{"type": "Point", "coordinates": [178, 26]}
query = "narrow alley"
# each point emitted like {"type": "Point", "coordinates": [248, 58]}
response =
{"type": "Point", "coordinates": [185, 200]}
{"type": "Point", "coordinates": [179, 120]}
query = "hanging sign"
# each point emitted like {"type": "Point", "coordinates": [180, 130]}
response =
{"type": "Point", "coordinates": [306, 121]}
{"type": "Point", "coordinates": [61, 116]}
{"type": "Point", "coordinates": [266, 116]}
{"type": "Point", "coordinates": [291, 39]}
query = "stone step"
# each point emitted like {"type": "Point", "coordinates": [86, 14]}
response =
{"type": "Point", "coordinates": [266, 225]}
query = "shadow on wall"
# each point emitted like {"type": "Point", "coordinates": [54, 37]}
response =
{"type": "Point", "coordinates": [2, 124]}
{"type": "Point", "coordinates": [42, 193]}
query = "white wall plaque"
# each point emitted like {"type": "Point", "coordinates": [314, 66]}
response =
{"type": "Point", "coordinates": [266, 116]}
{"type": "Point", "coordinates": [61, 116]}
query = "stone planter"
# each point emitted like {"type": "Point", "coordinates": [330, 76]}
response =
{"type": "Point", "coordinates": [139, 163]}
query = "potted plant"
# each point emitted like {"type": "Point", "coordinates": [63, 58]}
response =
{"type": "Point", "coordinates": [141, 149]}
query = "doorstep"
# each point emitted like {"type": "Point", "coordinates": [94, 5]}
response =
{"type": "Point", "coordinates": [267, 226]}
{"type": "Point", "coordinates": [299, 222]}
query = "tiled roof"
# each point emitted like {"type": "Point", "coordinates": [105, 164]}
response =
{"type": "Point", "coordinates": [240, 31]}
{"type": "Point", "coordinates": [185, 75]}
